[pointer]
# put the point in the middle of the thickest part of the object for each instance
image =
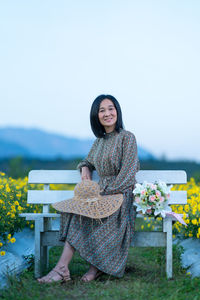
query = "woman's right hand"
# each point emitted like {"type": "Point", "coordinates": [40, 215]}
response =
{"type": "Point", "coordinates": [85, 173]}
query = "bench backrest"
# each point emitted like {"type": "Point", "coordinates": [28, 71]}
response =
{"type": "Point", "coordinates": [48, 177]}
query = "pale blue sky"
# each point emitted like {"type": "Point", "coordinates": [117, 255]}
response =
{"type": "Point", "coordinates": [57, 56]}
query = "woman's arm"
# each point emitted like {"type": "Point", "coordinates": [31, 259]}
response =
{"type": "Point", "coordinates": [88, 161]}
{"type": "Point", "coordinates": [129, 167]}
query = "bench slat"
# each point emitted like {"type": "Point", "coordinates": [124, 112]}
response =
{"type": "Point", "coordinates": [73, 176]}
{"type": "Point", "coordinates": [169, 177]}
{"type": "Point", "coordinates": [54, 176]}
{"type": "Point", "coordinates": [149, 239]}
{"type": "Point", "coordinates": [52, 196]}
{"type": "Point", "coordinates": [141, 239]}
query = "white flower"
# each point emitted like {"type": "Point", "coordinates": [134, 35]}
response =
{"type": "Point", "coordinates": [138, 188]}
{"type": "Point", "coordinates": [165, 189]}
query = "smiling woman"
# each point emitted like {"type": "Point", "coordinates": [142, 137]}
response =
{"type": "Point", "coordinates": [102, 242]}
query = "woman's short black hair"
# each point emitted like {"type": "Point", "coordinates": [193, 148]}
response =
{"type": "Point", "coordinates": [96, 126]}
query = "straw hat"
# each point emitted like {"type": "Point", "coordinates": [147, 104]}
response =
{"type": "Point", "coordinates": [88, 202]}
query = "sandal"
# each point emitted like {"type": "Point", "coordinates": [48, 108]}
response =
{"type": "Point", "coordinates": [94, 276]}
{"type": "Point", "coordinates": [53, 276]}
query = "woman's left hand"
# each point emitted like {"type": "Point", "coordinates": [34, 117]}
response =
{"type": "Point", "coordinates": [85, 173]}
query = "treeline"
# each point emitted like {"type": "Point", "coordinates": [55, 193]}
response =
{"type": "Point", "coordinates": [19, 166]}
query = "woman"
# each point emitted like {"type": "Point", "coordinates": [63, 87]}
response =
{"type": "Point", "coordinates": [113, 155]}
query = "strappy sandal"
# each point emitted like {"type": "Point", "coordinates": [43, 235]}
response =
{"type": "Point", "coordinates": [85, 279]}
{"type": "Point", "coordinates": [50, 277]}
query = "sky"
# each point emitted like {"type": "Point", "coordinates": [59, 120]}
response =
{"type": "Point", "coordinates": [56, 57]}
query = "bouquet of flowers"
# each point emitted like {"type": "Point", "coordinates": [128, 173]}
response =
{"type": "Point", "coordinates": [152, 198]}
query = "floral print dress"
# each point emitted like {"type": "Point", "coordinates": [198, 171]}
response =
{"type": "Point", "coordinates": [104, 243]}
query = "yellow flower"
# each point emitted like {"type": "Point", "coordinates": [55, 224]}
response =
{"type": "Point", "coordinates": [187, 208]}
{"type": "Point", "coordinates": [1, 244]}
{"type": "Point", "coordinates": [8, 188]}
{"type": "Point", "coordinates": [148, 225]}
{"type": "Point", "coordinates": [20, 208]}
{"type": "Point", "coordinates": [194, 221]}
{"type": "Point", "coordinates": [2, 253]}
{"type": "Point", "coordinates": [180, 209]}
{"type": "Point", "coordinates": [8, 236]}
{"type": "Point", "coordinates": [16, 203]}
{"type": "Point", "coordinates": [31, 226]}
{"type": "Point", "coordinates": [13, 240]}
{"type": "Point", "coordinates": [190, 234]}
{"type": "Point", "coordinates": [142, 227]}
{"type": "Point", "coordinates": [184, 215]}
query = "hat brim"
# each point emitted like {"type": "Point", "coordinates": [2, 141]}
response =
{"type": "Point", "coordinates": [103, 207]}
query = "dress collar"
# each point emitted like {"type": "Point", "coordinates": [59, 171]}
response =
{"type": "Point", "coordinates": [111, 134]}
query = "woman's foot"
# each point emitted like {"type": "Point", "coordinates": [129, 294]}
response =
{"type": "Point", "coordinates": [57, 274]}
{"type": "Point", "coordinates": [92, 274]}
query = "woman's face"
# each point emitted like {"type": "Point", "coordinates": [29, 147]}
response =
{"type": "Point", "coordinates": [107, 115]}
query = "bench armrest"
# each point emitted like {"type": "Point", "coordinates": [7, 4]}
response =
{"type": "Point", "coordinates": [33, 216]}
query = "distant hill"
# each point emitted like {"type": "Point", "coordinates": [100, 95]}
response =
{"type": "Point", "coordinates": [35, 143]}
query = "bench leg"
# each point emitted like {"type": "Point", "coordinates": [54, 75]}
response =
{"type": "Point", "coordinates": [39, 226]}
{"type": "Point", "coordinates": [45, 249]}
{"type": "Point", "coordinates": [167, 227]}
{"type": "Point", "coordinates": [41, 252]}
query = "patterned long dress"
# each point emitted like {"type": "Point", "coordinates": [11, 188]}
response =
{"type": "Point", "coordinates": [105, 244]}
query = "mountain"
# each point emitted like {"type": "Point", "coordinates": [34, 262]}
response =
{"type": "Point", "coordinates": [35, 143]}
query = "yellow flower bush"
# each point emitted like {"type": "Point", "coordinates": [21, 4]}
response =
{"type": "Point", "coordinates": [190, 211]}
{"type": "Point", "coordinates": [13, 201]}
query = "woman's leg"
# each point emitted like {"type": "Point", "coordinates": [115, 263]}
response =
{"type": "Point", "coordinates": [66, 255]}
{"type": "Point", "coordinates": [93, 273]}
{"type": "Point", "coordinates": [61, 270]}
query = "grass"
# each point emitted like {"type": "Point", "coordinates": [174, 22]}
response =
{"type": "Point", "coordinates": [144, 279]}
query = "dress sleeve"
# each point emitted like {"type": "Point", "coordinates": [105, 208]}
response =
{"type": "Point", "coordinates": [89, 160]}
{"type": "Point", "coordinates": [129, 167]}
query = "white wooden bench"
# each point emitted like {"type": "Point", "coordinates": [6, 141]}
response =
{"type": "Point", "coordinates": [45, 236]}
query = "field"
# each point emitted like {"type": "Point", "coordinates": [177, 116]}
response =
{"type": "Point", "coordinates": [145, 271]}
{"type": "Point", "coordinates": [144, 279]}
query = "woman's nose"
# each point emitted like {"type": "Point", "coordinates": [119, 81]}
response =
{"type": "Point", "coordinates": [107, 112]}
